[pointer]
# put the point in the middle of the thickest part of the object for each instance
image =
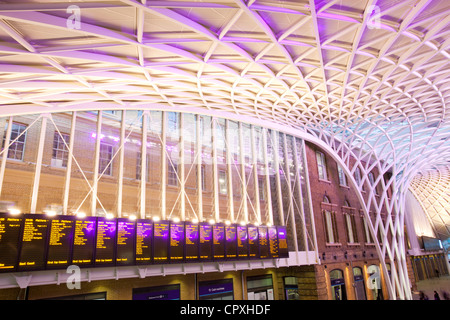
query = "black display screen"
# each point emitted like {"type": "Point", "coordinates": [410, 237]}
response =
{"type": "Point", "coordinates": [205, 241]}
{"type": "Point", "coordinates": [273, 242]}
{"type": "Point", "coordinates": [84, 241]}
{"type": "Point", "coordinates": [191, 244]}
{"type": "Point", "coordinates": [10, 231]}
{"type": "Point", "coordinates": [126, 233]}
{"type": "Point", "coordinates": [263, 242]}
{"type": "Point", "coordinates": [253, 242]}
{"type": "Point", "coordinates": [231, 242]}
{"type": "Point", "coordinates": [242, 242]}
{"type": "Point", "coordinates": [34, 242]}
{"type": "Point", "coordinates": [218, 241]}
{"type": "Point", "coordinates": [161, 242]}
{"type": "Point", "coordinates": [59, 253]}
{"type": "Point", "coordinates": [177, 242]}
{"type": "Point", "coordinates": [106, 241]}
{"type": "Point", "coordinates": [144, 241]}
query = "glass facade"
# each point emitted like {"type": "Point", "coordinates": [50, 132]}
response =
{"type": "Point", "coordinates": [195, 167]}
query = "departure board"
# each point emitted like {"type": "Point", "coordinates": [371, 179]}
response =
{"type": "Point", "coordinates": [161, 242]}
{"type": "Point", "coordinates": [105, 242]}
{"type": "Point", "coordinates": [125, 242]}
{"type": "Point", "coordinates": [263, 242]}
{"type": "Point", "coordinates": [253, 242]}
{"type": "Point", "coordinates": [218, 241]}
{"type": "Point", "coordinates": [191, 244]}
{"type": "Point", "coordinates": [144, 241]}
{"type": "Point", "coordinates": [10, 228]}
{"type": "Point", "coordinates": [242, 242]}
{"type": "Point", "coordinates": [273, 242]}
{"type": "Point", "coordinates": [282, 242]}
{"type": "Point", "coordinates": [230, 242]}
{"type": "Point", "coordinates": [60, 242]}
{"type": "Point", "coordinates": [205, 241]}
{"type": "Point", "coordinates": [176, 253]}
{"type": "Point", "coordinates": [34, 242]}
{"type": "Point", "coordinates": [84, 241]}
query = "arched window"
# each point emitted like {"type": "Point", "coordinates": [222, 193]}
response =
{"type": "Point", "coordinates": [329, 217]}
{"type": "Point", "coordinates": [337, 285]}
{"type": "Point", "coordinates": [358, 280]}
{"type": "Point", "coordinates": [350, 224]}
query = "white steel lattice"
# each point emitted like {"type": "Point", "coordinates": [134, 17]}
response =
{"type": "Point", "coordinates": [367, 78]}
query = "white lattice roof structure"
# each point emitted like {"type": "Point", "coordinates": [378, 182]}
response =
{"type": "Point", "coordinates": [367, 79]}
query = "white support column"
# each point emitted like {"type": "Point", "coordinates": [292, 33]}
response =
{"type": "Point", "coordinates": [255, 174]}
{"type": "Point", "coordinates": [276, 164]}
{"type": "Point", "coordinates": [287, 174]}
{"type": "Point", "coordinates": [243, 178]}
{"type": "Point", "coordinates": [121, 165]}
{"type": "Point", "coordinates": [199, 168]}
{"type": "Point", "coordinates": [37, 172]}
{"type": "Point", "coordinates": [69, 164]}
{"type": "Point", "coordinates": [163, 164]}
{"type": "Point", "coordinates": [298, 176]}
{"type": "Point", "coordinates": [310, 205]}
{"type": "Point", "coordinates": [215, 172]}
{"type": "Point", "coordinates": [143, 182]}
{"type": "Point", "coordinates": [229, 160]}
{"type": "Point", "coordinates": [267, 178]}
{"type": "Point", "coordinates": [181, 167]}
{"type": "Point", "coordinates": [5, 152]}
{"type": "Point", "coordinates": [96, 164]}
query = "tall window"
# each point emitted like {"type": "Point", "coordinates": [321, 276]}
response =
{"type": "Point", "coordinates": [358, 178]}
{"type": "Point", "coordinates": [222, 182]}
{"type": "Point", "coordinates": [106, 154]}
{"type": "Point", "coordinates": [16, 149]}
{"type": "Point", "coordinates": [172, 172]}
{"type": "Point", "coordinates": [60, 152]}
{"type": "Point", "coordinates": [321, 165]}
{"type": "Point", "coordinates": [372, 182]}
{"type": "Point", "coordinates": [330, 222]}
{"type": "Point", "coordinates": [350, 223]}
{"type": "Point", "coordinates": [138, 167]}
{"type": "Point", "coordinates": [367, 235]}
{"type": "Point", "coordinates": [342, 177]}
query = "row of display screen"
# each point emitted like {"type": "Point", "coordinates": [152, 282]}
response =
{"type": "Point", "coordinates": [36, 242]}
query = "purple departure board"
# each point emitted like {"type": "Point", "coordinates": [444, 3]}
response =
{"type": "Point", "coordinates": [10, 229]}
{"type": "Point", "coordinates": [205, 241]}
{"type": "Point", "coordinates": [218, 241]}
{"type": "Point", "coordinates": [263, 242]}
{"type": "Point", "coordinates": [144, 241]}
{"type": "Point", "coordinates": [230, 242]}
{"type": "Point", "coordinates": [34, 242]}
{"type": "Point", "coordinates": [191, 244]}
{"type": "Point", "coordinates": [59, 252]}
{"type": "Point", "coordinates": [177, 240]}
{"type": "Point", "coordinates": [253, 242]}
{"type": "Point", "coordinates": [273, 241]}
{"type": "Point", "coordinates": [84, 241]}
{"type": "Point", "coordinates": [125, 252]}
{"type": "Point", "coordinates": [105, 242]}
{"type": "Point", "coordinates": [282, 242]}
{"type": "Point", "coordinates": [242, 242]}
{"type": "Point", "coordinates": [161, 241]}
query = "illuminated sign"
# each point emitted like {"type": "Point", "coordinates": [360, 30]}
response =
{"type": "Point", "coordinates": [177, 242]}
{"type": "Point", "coordinates": [125, 242]}
{"type": "Point", "coordinates": [34, 242]}
{"type": "Point", "coordinates": [218, 241]}
{"type": "Point", "coordinates": [144, 241]}
{"type": "Point", "coordinates": [161, 242]}
{"type": "Point", "coordinates": [205, 241]}
{"type": "Point", "coordinates": [230, 242]}
{"type": "Point", "coordinates": [30, 242]}
{"type": "Point", "coordinates": [60, 242]}
{"type": "Point", "coordinates": [84, 241]}
{"type": "Point", "coordinates": [242, 242]}
{"type": "Point", "coordinates": [191, 244]}
{"type": "Point", "coordinates": [105, 243]}
{"type": "Point", "coordinates": [10, 228]}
